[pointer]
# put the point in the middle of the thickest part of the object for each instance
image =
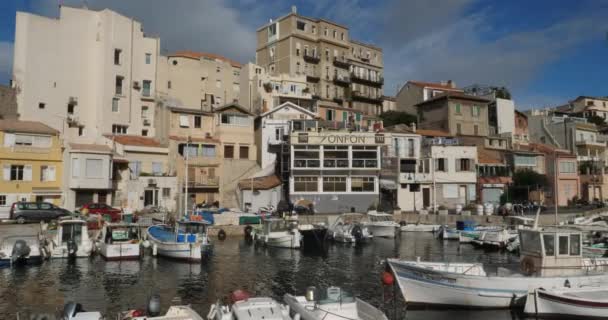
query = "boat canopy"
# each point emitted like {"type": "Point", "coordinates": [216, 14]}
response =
{"type": "Point", "coordinates": [276, 225]}
{"type": "Point", "coordinates": [553, 243]}
{"type": "Point", "coordinates": [334, 295]}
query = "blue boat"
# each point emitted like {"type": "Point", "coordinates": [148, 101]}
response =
{"type": "Point", "coordinates": [187, 240]}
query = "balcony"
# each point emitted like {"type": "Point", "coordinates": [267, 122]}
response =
{"type": "Point", "coordinates": [306, 163]}
{"type": "Point", "coordinates": [342, 80]}
{"type": "Point", "coordinates": [335, 163]}
{"type": "Point", "coordinates": [311, 57]}
{"type": "Point", "coordinates": [338, 100]}
{"type": "Point", "coordinates": [202, 161]}
{"type": "Point", "coordinates": [366, 97]}
{"type": "Point", "coordinates": [312, 77]}
{"type": "Point", "coordinates": [375, 82]}
{"type": "Point", "coordinates": [341, 62]}
{"type": "Point", "coordinates": [203, 181]}
{"type": "Point", "coordinates": [365, 163]}
{"type": "Point", "coordinates": [591, 144]}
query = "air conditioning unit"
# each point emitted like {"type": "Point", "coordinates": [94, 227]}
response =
{"type": "Point", "coordinates": [151, 182]}
{"type": "Point", "coordinates": [135, 84]}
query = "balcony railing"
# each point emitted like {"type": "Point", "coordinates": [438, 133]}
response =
{"type": "Point", "coordinates": [312, 58]}
{"type": "Point", "coordinates": [363, 163]}
{"type": "Point", "coordinates": [335, 163]}
{"type": "Point", "coordinates": [306, 163]}
{"type": "Point", "coordinates": [202, 181]}
{"type": "Point", "coordinates": [342, 80]}
{"type": "Point", "coordinates": [341, 62]}
{"type": "Point", "coordinates": [366, 97]}
{"type": "Point", "coordinates": [376, 82]}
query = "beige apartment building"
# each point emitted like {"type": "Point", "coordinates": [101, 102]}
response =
{"type": "Point", "coordinates": [197, 80]}
{"type": "Point", "coordinates": [415, 92]}
{"type": "Point", "coordinates": [342, 74]}
{"type": "Point", "coordinates": [457, 114]}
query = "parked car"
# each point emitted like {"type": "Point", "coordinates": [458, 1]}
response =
{"type": "Point", "coordinates": [101, 209]}
{"type": "Point", "coordinates": [36, 211]}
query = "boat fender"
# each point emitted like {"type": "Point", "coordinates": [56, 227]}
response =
{"type": "Point", "coordinates": [154, 249]}
{"type": "Point", "coordinates": [221, 235]}
{"type": "Point", "coordinates": [527, 265]}
{"type": "Point", "coordinates": [248, 230]}
{"type": "Point", "coordinates": [387, 278]}
{"type": "Point", "coordinates": [212, 312]}
{"type": "Point", "coordinates": [153, 308]}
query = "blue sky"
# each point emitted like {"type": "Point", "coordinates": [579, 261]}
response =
{"type": "Point", "coordinates": [546, 52]}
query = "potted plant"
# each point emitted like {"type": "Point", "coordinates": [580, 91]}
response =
{"type": "Point", "coordinates": [443, 210]}
{"type": "Point", "coordinates": [268, 87]}
{"type": "Point", "coordinates": [468, 209]}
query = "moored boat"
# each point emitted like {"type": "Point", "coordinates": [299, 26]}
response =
{"type": "Point", "coordinates": [495, 239]}
{"type": "Point", "coordinates": [278, 233]}
{"type": "Point", "coordinates": [585, 302]}
{"type": "Point", "coordinates": [382, 224]}
{"type": "Point", "coordinates": [250, 309]}
{"type": "Point", "coordinates": [119, 241]}
{"type": "Point", "coordinates": [447, 233]}
{"type": "Point", "coordinates": [549, 258]}
{"type": "Point", "coordinates": [418, 227]}
{"type": "Point", "coordinates": [350, 228]}
{"type": "Point", "coordinates": [333, 304]}
{"type": "Point", "coordinates": [71, 240]}
{"type": "Point", "coordinates": [187, 240]}
{"type": "Point", "coordinates": [20, 250]}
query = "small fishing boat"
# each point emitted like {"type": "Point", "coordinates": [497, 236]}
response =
{"type": "Point", "coordinates": [250, 309]}
{"type": "Point", "coordinates": [174, 313]}
{"type": "Point", "coordinates": [313, 230]}
{"type": "Point", "coordinates": [596, 250]}
{"type": "Point", "coordinates": [382, 224]}
{"type": "Point", "coordinates": [187, 240]}
{"type": "Point", "coordinates": [418, 227]}
{"type": "Point", "coordinates": [119, 241]}
{"type": "Point", "coordinates": [74, 311]}
{"type": "Point", "coordinates": [71, 240]}
{"type": "Point", "coordinates": [550, 258]}
{"type": "Point", "coordinates": [20, 250]}
{"type": "Point", "coordinates": [495, 239]}
{"type": "Point", "coordinates": [335, 304]}
{"type": "Point", "coordinates": [278, 233]}
{"type": "Point", "coordinates": [585, 302]}
{"type": "Point", "coordinates": [350, 228]}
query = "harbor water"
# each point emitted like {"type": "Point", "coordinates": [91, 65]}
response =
{"type": "Point", "coordinates": [111, 287]}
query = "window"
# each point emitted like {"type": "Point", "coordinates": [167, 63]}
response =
{"type": "Point", "coordinates": [567, 167]}
{"type": "Point", "coordinates": [475, 110]}
{"type": "Point", "coordinates": [71, 108]}
{"type": "Point", "coordinates": [563, 245]}
{"type": "Point", "coordinates": [218, 83]}
{"type": "Point", "coordinates": [298, 49]}
{"type": "Point", "coordinates": [458, 108]}
{"type": "Point", "coordinates": [114, 104]}
{"type": "Point", "coordinates": [168, 84]}
{"type": "Point", "coordinates": [135, 169]}
{"type": "Point", "coordinates": [157, 168]}
{"type": "Point", "coordinates": [549, 242]}
{"type": "Point", "coordinates": [75, 168]}
{"type": "Point", "coordinates": [208, 150]}
{"type": "Point", "coordinates": [335, 156]}
{"type": "Point", "coordinates": [47, 173]}
{"type": "Point", "coordinates": [334, 184]}
{"type": "Point", "coordinates": [272, 30]}
{"type": "Point", "coordinates": [335, 34]}
{"type": "Point", "coordinates": [144, 133]}
{"type": "Point", "coordinates": [183, 121]}
{"type": "Point", "coordinates": [342, 36]}
{"type": "Point", "coordinates": [119, 129]}
{"type": "Point", "coordinates": [327, 58]}
{"type": "Point", "coordinates": [407, 166]}
{"type": "Point", "coordinates": [17, 172]}
{"type": "Point", "coordinates": [2, 200]}
{"type": "Point", "coordinates": [197, 121]}
{"type": "Point", "coordinates": [119, 85]}
{"type": "Point", "coordinates": [166, 192]}
{"type": "Point", "coordinates": [314, 29]}
{"type": "Point", "coordinates": [365, 157]}
{"type": "Point", "coordinates": [148, 58]}
{"type": "Point", "coordinates": [325, 32]}
{"type": "Point", "coordinates": [144, 112]}
{"type": "Point", "coordinates": [301, 25]}
{"type": "Point", "coordinates": [306, 157]}
{"type": "Point", "coordinates": [476, 130]}
{"type": "Point", "coordinates": [362, 184]}
{"type": "Point", "coordinates": [410, 147]}
{"type": "Point", "coordinates": [93, 168]}
{"type": "Point", "coordinates": [527, 161]}
{"type": "Point", "coordinates": [41, 105]}
{"type": "Point", "coordinates": [146, 90]}
{"type": "Point", "coordinates": [575, 244]}
{"type": "Point", "coordinates": [458, 128]}
{"type": "Point", "coordinates": [440, 165]}
{"type": "Point", "coordinates": [235, 120]}
{"type": "Point", "coordinates": [464, 165]}
{"type": "Point", "coordinates": [228, 152]}
{"type": "Point", "coordinates": [244, 152]}
{"type": "Point", "coordinates": [305, 184]}
{"type": "Point", "coordinates": [117, 53]}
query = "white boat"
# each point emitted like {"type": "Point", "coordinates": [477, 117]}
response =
{"type": "Point", "coordinates": [468, 236]}
{"type": "Point", "coordinates": [567, 302]}
{"type": "Point", "coordinates": [250, 309]}
{"type": "Point", "coordinates": [596, 250]}
{"type": "Point", "coordinates": [20, 250]}
{"type": "Point", "coordinates": [174, 313]}
{"type": "Point", "coordinates": [71, 240]}
{"type": "Point", "coordinates": [417, 227]}
{"type": "Point", "coordinates": [447, 233]}
{"type": "Point", "coordinates": [382, 224]}
{"type": "Point", "coordinates": [278, 233]}
{"type": "Point", "coordinates": [549, 259]}
{"type": "Point", "coordinates": [74, 311]}
{"type": "Point", "coordinates": [335, 304]}
{"type": "Point", "coordinates": [495, 239]}
{"type": "Point", "coordinates": [350, 228]}
{"type": "Point", "coordinates": [119, 241]}
{"type": "Point", "coordinates": [187, 240]}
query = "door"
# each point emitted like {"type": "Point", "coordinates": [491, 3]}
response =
{"type": "Point", "coordinates": [102, 197]}
{"type": "Point", "coordinates": [155, 197]}
{"type": "Point", "coordinates": [462, 192]}
{"type": "Point", "coordinates": [148, 197]}
{"type": "Point", "coordinates": [83, 197]}
{"type": "Point", "coordinates": [426, 197]}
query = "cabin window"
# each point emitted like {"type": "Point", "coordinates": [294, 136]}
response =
{"type": "Point", "coordinates": [563, 245]}
{"type": "Point", "coordinates": [549, 242]}
{"type": "Point", "coordinates": [71, 232]}
{"type": "Point", "coordinates": [575, 244]}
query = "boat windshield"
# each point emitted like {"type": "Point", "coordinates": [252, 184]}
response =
{"type": "Point", "coordinates": [334, 295]}
{"type": "Point", "coordinates": [124, 234]}
{"type": "Point", "coordinates": [351, 218]}
{"type": "Point", "coordinates": [278, 225]}
{"type": "Point", "coordinates": [380, 218]}
{"type": "Point", "coordinates": [72, 231]}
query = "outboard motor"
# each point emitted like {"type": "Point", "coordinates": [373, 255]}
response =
{"type": "Point", "coordinates": [72, 248]}
{"type": "Point", "coordinates": [20, 250]}
{"type": "Point", "coordinates": [154, 305]}
{"type": "Point", "coordinates": [357, 233]}
{"type": "Point", "coordinates": [70, 310]}
{"type": "Point", "coordinates": [311, 294]}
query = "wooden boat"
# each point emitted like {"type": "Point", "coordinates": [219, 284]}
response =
{"type": "Point", "coordinates": [119, 241]}
{"type": "Point", "coordinates": [278, 233]}
{"type": "Point", "coordinates": [250, 309]}
{"type": "Point", "coordinates": [587, 302]}
{"type": "Point", "coordinates": [335, 304]}
{"type": "Point", "coordinates": [382, 224]}
{"type": "Point", "coordinates": [187, 240]}
{"type": "Point", "coordinates": [549, 258]}
{"type": "Point", "coordinates": [71, 240]}
{"type": "Point", "coordinates": [417, 227]}
{"type": "Point", "coordinates": [20, 250]}
{"type": "Point", "coordinates": [350, 228]}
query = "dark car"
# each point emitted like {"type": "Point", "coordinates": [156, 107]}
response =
{"type": "Point", "coordinates": [36, 211]}
{"type": "Point", "coordinates": [101, 209]}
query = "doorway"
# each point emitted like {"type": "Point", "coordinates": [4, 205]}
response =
{"type": "Point", "coordinates": [150, 197]}
{"type": "Point", "coordinates": [426, 197]}
{"type": "Point", "coordinates": [463, 194]}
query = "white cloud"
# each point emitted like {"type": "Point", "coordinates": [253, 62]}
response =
{"type": "Point", "coordinates": [6, 60]}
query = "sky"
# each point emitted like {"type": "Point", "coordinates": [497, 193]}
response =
{"type": "Point", "coordinates": [546, 52]}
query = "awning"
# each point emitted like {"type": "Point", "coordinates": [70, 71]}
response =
{"type": "Point", "coordinates": [47, 191]}
{"type": "Point", "coordinates": [303, 203]}
{"type": "Point", "coordinates": [388, 184]}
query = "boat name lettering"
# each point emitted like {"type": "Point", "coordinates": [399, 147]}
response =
{"type": "Point", "coordinates": [343, 139]}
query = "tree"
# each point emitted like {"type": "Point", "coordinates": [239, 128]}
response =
{"type": "Point", "coordinates": [597, 120]}
{"type": "Point", "coordinates": [391, 118]}
{"type": "Point", "coordinates": [502, 93]}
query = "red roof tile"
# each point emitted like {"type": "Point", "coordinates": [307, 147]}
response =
{"type": "Point", "coordinates": [20, 126]}
{"type": "Point", "coordinates": [135, 140]}
{"type": "Point", "coordinates": [198, 55]}
{"type": "Point", "coordinates": [194, 139]}
{"type": "Point", "coordinates": [433, 133]}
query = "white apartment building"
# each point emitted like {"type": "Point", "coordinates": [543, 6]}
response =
{"type": "Point", "coordinates": [261, 92]}
{"type": "Point", "coordinates": [403, 152]}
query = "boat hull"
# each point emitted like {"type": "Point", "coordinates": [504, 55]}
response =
{"type": "Point", "coordinates": [180, 251]}
{"type": "Point", "coordinates": [287, 241]}
{"type": "Point", "coordinates": [423, 286]}
{"type": "Point", "coordinates": [382, 231]}
{"type": "Point", "coordinates": [420, 228]}
{"type": "Point", "coordinates": [547, 303]}
{"type": "Point", "coordinates": [120, 251]}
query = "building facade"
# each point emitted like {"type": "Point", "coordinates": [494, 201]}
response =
{"type": "Point", "coordinates": [456, 114]}
{"type": "Point", "coordinates": [31, 161]}
{"type": "Point", "coordinates": [415, 92]}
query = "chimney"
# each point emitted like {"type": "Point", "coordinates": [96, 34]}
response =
{"type": "Point", "coordinates": [452, 84]}
{"type": "Point", "coordinates": [294, 9]}
{"type": "Point", "coordinates": [413, 125]}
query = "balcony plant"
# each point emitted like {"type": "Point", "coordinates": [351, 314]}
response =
{"type": "Point", "coordinates": [268, 87]}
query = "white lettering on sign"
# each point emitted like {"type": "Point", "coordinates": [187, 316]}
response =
{"type": "Point", "coordinates": [343, 139]}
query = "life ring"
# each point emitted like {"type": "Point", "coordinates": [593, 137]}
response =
{"type": "Point", "coordinates": [527, 266]}
{"type": "Point", "coordinates": [221, 235]}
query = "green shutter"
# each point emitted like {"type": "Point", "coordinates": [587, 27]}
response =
{"type": "Point", "coordinates": [458, 108]}
{"type": "Point", "coordinates": [328, 114]}
{"type": "Point", "coordinates": [358, 117]}
{"type": "Point", "coordinates": [344, 116]}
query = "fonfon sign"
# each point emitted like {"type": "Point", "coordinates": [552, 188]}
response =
{"type": "Point", "coordinates": [343, 139]}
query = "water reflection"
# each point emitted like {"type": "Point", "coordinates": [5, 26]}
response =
{"type": "Point", "coordinates": [114, 286]}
